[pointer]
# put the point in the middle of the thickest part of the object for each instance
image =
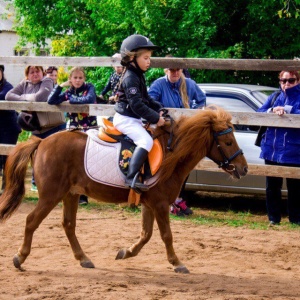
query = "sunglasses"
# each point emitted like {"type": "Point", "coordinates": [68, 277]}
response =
{"type": "Point", "coordinates": [289, 80]}
{"type": "Point", "coordinates": [51, 69]}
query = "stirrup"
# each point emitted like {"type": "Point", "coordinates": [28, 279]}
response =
{"type": "Point", "coordinates": [137, 186]}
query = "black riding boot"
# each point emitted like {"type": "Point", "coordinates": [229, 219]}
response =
{"type": "Point", "coordinates": [138, 158]}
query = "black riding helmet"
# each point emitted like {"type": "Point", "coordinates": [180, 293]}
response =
{"type": "Point", "coordinates": [28, 121]}
{"type": "Point", "coordinates": [135, 42]}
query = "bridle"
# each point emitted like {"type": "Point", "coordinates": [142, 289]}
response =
{"type": "Point", "coordinates": [226, 163]}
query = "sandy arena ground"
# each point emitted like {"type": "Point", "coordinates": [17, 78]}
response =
{"type": "Point", "coordinates": [225, 263]}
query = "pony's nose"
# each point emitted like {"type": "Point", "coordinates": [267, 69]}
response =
{"type": "Point", "coordinates": [246, 170]}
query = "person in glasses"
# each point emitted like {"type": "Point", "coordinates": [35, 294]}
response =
{"type": "Point", "coordinates": [52, 72]}
{"type": "Point", "coordinates": [281, 146]}
{"type": "Point", "coordinates": [176, 91]}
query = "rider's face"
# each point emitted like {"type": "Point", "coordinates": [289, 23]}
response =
{"type": "Point", "coordinates": [143, 60]}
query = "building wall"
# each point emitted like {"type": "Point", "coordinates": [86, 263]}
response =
{"type": "Point", "coordinates": [8, 41]}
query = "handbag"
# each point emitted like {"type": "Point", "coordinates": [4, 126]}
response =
{"type": "Point", "coordinates": [263, 129]}
{"type": "Point", "coordinates": [32, 120]}
{"type": "Point", "coordinates": [50, 119]}
{"type": "Point", "coordinates": [260, 133]}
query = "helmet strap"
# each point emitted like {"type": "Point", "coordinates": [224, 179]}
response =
{"type": "Point", "coordinates": [136, 64]}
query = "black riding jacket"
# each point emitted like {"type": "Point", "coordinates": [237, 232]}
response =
{"type": "Point", "coordinates": [134, 100]}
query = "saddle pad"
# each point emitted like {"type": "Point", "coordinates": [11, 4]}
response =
{"type": "Point", "coordinates": [101, 162]}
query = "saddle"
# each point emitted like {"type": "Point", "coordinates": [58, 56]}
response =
{"type": "Point", "coordinates": [108, 133]}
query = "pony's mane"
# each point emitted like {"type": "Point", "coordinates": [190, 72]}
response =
{"type": "Point", "coordinates": [193, 137]}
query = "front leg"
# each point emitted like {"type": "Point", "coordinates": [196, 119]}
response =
{"type": "Point", "coordinates": [146, 233]}
{"type": "Point", "coordinates": [163, 220]}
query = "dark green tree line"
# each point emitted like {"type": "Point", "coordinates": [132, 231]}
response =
{"type": "Point", "coordinates": [184, 28]}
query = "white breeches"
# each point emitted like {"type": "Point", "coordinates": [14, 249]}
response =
{"type": "Point", "coordinates": [134, 129]}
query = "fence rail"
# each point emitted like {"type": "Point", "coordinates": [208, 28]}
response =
{"type": "Point", "coordinates": [238, 118]}
{"type": "Point", "coordinates": [159, 62]}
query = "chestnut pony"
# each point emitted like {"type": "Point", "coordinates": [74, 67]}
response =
{"type": "Point", "coordinates": [58, 163]}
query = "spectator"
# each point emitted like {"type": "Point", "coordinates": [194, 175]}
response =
{"type": "Point", "coordinates": [36, 87]}
{"type": "Point", "coordinates": [185, 72]}
{"type": "Point", "coordinates": [174, 90]}
{"type": "Point", "coordinates": [52, 72]}
{"type": "Point", "coordinates": [9, 128]}
{"type": "Point", "coordinates": [134, 104]}
{"type": "Point", "coordinates": [281, 146]}
{"type": "Point", "coordinates": [78, 92]}
{"type": "Point", "coordinates": [112, 84]}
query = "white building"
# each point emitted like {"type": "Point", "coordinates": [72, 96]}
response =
{"type": "Point", "coordinates": [8, 41]}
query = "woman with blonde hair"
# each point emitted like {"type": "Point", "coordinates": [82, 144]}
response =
{"type": "Point", "coordinates": [77, 92]}
{"type": "Point", "coordinates": [176, 91]}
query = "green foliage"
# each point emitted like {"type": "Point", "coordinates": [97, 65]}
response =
{"type": "Point", "coordinates": [193, 28]}
{"type": "Point", "coordinates": [24, 136]}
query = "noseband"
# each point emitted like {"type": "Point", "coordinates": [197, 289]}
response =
{"type": "Point", "coordinates": [226, 163]}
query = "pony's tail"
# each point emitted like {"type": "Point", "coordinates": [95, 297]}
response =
{"type": "Point", "coordinates": [15, 172]}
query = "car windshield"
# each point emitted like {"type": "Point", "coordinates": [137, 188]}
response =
{"type": "Point", "coordinates": [262, 96]}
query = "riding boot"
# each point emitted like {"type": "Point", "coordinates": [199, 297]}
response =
{"type": "Point", "coordinates": [137, 160]}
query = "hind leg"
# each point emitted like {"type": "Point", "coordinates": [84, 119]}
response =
{"type": "Point", "coordinates": [69, 224]}
{"type": "Point", "coordinates": [146, 233]}
{"type": "Point", "coordinates": [33, 220]}
{"type": "Point", "coordinates": [162, 217]}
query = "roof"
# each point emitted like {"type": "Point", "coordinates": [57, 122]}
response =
{"type": "Point", "coordinates": [248, 87]}
{"type": "Point", "coordinates": [6, 15]}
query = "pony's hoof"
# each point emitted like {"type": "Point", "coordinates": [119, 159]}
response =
{"type": "Point", "coordinates": [182, 270]}
{"type": "Point", "coordinates": [121, 254]}
{"type": "Point", "coordinates": [87, 264]}
{"type": "Point", "coordinates": [17, 263]}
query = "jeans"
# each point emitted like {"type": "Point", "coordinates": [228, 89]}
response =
{"type": "Point", "coordinates": [273, 196]}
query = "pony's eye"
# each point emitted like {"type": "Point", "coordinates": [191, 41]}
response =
{"type": "Point", "coordinates": [228, 143]}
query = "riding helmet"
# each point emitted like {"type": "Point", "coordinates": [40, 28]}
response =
{"type": "Point", "coordinates": [135, 42]}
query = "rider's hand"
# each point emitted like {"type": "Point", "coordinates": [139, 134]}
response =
{"type": "Point", "coordinates": [160, 122]}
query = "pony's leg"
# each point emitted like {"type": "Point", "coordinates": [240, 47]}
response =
{"type": "Point", "coordinates": [33, 220]}
{"type": "Point", "coordinates": [69, 223]}
{"type": "Point", "coordinates": [146, 233]}
{"type": "Point", "coordinates": [163, 221]}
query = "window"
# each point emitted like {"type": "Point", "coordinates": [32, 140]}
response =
{"type": "Point", "coordinates": [22, 52]}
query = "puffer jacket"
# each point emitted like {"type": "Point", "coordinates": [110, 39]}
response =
{"type": "Point", "coordinates": [282, 145]}
{"type": "Point", "coordinates": [134, 100]}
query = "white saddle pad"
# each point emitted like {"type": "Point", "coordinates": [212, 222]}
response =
{"type": "Point", "coordinates": [101, 162]}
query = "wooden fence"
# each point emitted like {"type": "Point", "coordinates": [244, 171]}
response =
{"type": "Point", "coordinates": [107, 110]}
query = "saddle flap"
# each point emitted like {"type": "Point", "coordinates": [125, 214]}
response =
{"type": "Point", "coordinates": [104, 137]}
{"type": "Point", "coordinates": [155, 157]}
{"type": "Point", "coordinates": [109, 127]}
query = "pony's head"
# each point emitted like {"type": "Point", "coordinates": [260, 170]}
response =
{"type": "Point", "coordinates": [224, 148]}
{"type": "Point", "coordinates": [208, 133]}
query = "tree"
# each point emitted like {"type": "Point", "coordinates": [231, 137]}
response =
{"type": "Point", "coordinates": [184, 28]}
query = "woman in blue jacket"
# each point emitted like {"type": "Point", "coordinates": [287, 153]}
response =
{"type": "Point", "coordinates": [9, 128]}
{"type": "Point", "coordinates": [281, 146]}
{"type": "Point", "coordinates": [176, 91]}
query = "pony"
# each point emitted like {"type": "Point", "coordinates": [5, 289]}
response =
{"type": "Point", "coordinates": [58, 165]}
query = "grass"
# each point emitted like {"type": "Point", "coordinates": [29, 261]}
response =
{"type": "Point", "coordinates": [212, 216]}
